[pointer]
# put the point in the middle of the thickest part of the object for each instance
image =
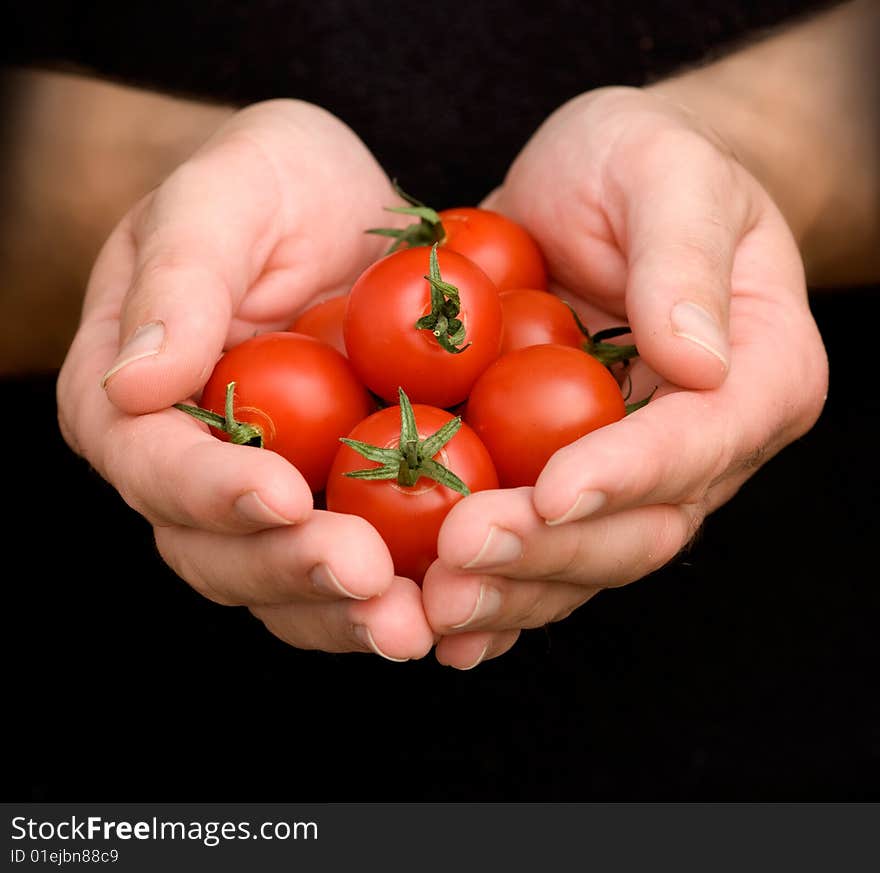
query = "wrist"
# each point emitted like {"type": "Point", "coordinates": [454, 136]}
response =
{"type": "Point", "coordinates": [79, 153]}
{"type": "Point", "coordinates": [801, 111]}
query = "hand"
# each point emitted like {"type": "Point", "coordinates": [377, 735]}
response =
{"type": "Point", "coordinates": [266, 217]}
{"type": "Point", "coordinates": [647, 218]}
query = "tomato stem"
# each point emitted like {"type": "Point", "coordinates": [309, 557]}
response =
{"type": "Point", "coordinates": [427, 231]}
{"type": "Point", "coordinates": [443, 320]}
{"type": "Point", "coordinates": [604, 352]}
{"type": "Point", "coordinates": [241, 433]}
{"type": "Point", "coordinates": [638, 404]}
{"type": "Point", "coordinates": [413, 458]}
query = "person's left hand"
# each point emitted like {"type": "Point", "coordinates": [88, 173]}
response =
{"type": "Point", "coordinates": [647, 218]}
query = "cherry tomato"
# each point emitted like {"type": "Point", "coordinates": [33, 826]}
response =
{"type": "Point", "coordinates": [503, 249]}
{"type": "Point", "coordinates": [408, 516]}
{"type": "Point", "coordinates": [388, 350]}
{"type": "Point", "coordinates": [323, 321]}
{"type": "Point", "coordinates": [300, 393]}
{"type": "Point", "coordinates": [535, 400]}
{"type": "Point", "coordinates": [533, 317]}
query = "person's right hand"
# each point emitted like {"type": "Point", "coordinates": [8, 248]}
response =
{"type": "Point", "coordinates": [268, 216]}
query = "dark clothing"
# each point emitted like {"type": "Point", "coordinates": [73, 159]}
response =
{"type": "Point", "coordinates": [444, 94]}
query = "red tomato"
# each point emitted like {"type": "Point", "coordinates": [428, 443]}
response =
{"type": "Point", "coordinates": [535, 400]}
{"type": "Point", "coordinates": [503, 249]}
{"type": "Point", "coordinates": [408, 517]}
{"type": "Point", "coordinates": [533, 318]}
{"type": "Point", "coordinates": [301, 393]}
{"type": "Point", "coordinates": [323, 321]}
{"type": "Point", "coordinates": [388, 350]}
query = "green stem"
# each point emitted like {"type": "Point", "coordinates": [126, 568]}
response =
{"type": "Point", "coordinates": [241, 433]}
{"type": "Point", "coordinates": [413, 458]}
{"type": "Point", "coordinates": [604, 352]}
{"type": "Point", "coordinates": [610, 353]}
{"type": "Point", "coordinates": [443, 320]}
{"type": "Point", "coordinates": [638, 404]}
{"type": "Point", "coordinates": [427, 231]}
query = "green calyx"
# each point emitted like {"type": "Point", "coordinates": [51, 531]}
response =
{"type": "Point", "coordinates": [241, 433]}
{"type": "Point", "coordinates": [413, 458]}
{"type": "Point", "coordinates": [443, 320]}
{"type": "Point", "coordinates": [425, 232]}
{"type": "Point", "coordinates": [606, 353]}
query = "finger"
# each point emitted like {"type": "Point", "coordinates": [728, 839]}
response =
{"type": "Point", "coordinates": [282, 565]}
{"type": "Point", "coordinates": [168, 466]}
{"type": "Point", "coordinates": [461, 602]}
{"type": "Point", "coordinates": [669, 451]}
{"type": "Point", "coordinates": [392, 626]}
{"type": "Point", "coordinates": [680, 209]}
{"type": "Point", "coordinates": [468, 650]}
{"type": "Point", "coordinates": [683, 442]}
{"type": "Point", "coordinates": [205, 482]}
{"type": "Point", "coordinates": [200, 241]}
{"type": "Point", "coordinates": [498, 533]}
{"type": "Point", "coordinates": [230, 244]}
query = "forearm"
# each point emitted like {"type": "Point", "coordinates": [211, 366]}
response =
{"type": "Point", "coordinates": [77, 153]}
{"type": "Point", "coordinates": [801, 109]}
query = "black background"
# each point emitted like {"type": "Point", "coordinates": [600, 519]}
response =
{"type": "Point", "coordinates": [746, 669]}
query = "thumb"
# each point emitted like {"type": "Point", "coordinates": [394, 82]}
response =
{"type": "Point", "coordinates": [684, 218]}
{"type": "Point", "coordinates": [199, 242]}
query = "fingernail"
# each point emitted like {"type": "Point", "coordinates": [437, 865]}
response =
{"type": "Point", "coordinates": [586, 504]}
{"type": "Point", "coordinates": [325, 581]}
{"type": "Point", "coordinates": [500, 547]}
{"type": "Point", "coordinates": [147, 340]}
{"type": "Point", "coordinates": [694, 323]}
{"type": "Point", "coordinates": [362, 632]}
{"type": "Point", "coordinates": [488, 603]}
{"type": "Point", "coordinates": [251, 508]}
{"type": "Point", "coordinates": [478, 661]}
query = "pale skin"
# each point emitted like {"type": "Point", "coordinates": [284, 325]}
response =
{"type": "Point", "coordinates": [234, 242]}
{"type": "Point", "coordinates": [688, 212]}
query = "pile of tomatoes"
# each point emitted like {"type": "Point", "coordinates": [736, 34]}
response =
{"type": "Point", "coordinates": [448, 368]}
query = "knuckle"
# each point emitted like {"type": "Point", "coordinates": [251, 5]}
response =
{"type": "Point", "coordinates": [567, 608]}
{"type": "Point", "coordinates": [531, 615]}
{"type": "Point", "coordinates": [702, 254]}
{"type": "Point", "coordinates": [116, 465]}
{"type": "Point", "coordinates": [655, 147]}
{"type": "Point", "coordinates": [277, 622]}
{"type": "Point", "coordinates": [571, 562]}
{"type": "Point", "coordinates": [676, 529]}
{"type": "Point", "coordinates": [188, 568]}
{"type": "Point", "coordinates": [68, 434]}
{"type": "Point", "coordinates": [814, 387]}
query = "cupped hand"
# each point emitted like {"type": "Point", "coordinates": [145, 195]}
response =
{"type": "Point", "coordinates": [647, 218]}
{"type": "Point", "coordinates": [267, 217]}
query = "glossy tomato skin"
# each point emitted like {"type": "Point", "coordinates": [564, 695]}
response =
{"type": "Point", "coordinates": [300, 392]}
{"type": "Point", "coordinates": [504, 250]}
{"type": "Point", "coordinates": [408, 519]}
{"type": "Point", "coordinates": [533, 318]}
{"type": "Point", "coordinates": [535, 400]}
{"type": "Point", "coordinates": [323, 321]}
{"type": "Point", "coordinates": [386, 349]}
